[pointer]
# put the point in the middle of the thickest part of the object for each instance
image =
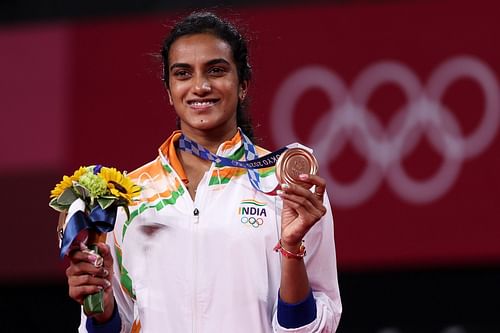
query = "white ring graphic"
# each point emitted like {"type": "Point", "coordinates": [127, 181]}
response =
{"type": "Point", "coordinates": [349, 120]}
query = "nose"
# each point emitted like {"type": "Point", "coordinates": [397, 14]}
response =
{"type": "Point", "coordinates": [202, 85]}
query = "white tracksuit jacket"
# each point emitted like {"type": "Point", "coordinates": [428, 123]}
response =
{"type": "Point", "coordinates": [208, 265]}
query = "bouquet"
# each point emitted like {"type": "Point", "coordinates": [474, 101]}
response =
{"type": "Point", "coordinates": [88, 201]}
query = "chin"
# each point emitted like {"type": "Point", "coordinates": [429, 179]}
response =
{"type": "Point", "coordinates": [204, 124]}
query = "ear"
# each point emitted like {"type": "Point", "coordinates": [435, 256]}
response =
{"type": "Point", "coordinates": [170, 97]}
{"type": "Point", "coordinates": [242, 90]}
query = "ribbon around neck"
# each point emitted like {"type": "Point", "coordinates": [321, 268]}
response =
{"type": "Point", "coordinates": [252, 159]}
{"type": "Point", "coordinates": [99, 220]}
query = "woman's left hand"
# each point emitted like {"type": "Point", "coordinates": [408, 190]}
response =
{"type": "Point", "coordinates": [301, 209]}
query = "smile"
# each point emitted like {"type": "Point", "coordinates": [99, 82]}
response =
{"type": "Point", "coordinates": [204, 103]}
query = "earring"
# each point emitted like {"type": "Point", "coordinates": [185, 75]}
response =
{"type": "Point", "coordinates": [242, 95]}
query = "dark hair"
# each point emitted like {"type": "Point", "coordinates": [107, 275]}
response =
{"type": "Point", "coordinates": [207, 22]}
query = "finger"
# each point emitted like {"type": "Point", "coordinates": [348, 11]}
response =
{"type": "Point", "coordinates": [318, 182]}
{"type": "Point", "coordinates": [83, 267]}
{"type": "Point", "coordinates": [300, 194]}
{"type": "Point", "coordinates": [105, 252]}
{"type": "Point", "coordinates": [315, 180]}
{"type": "Point", "coordinates": [84, 280]}
{"type": "Point", "coordinates": [304, 206]}
{"type": "Point", "coordinates": [78, 293]}
{"type": "Point", "coordinates": [103, 249]}
{"type": "Point", "coordinates": [78, 256]}
{"type": "Point", "coordinates": [303, 220]}
{"type": "Point", "coordinates": [307, 213]}
{"type": "Point", "coordinates": [319, 192]}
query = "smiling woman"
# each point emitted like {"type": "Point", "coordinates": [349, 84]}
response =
{"type": "Point", "coordinates": [229, 39]}
{"type": "Point", "coordinates": [197, 253]}
{"type": "Point", "coordinates": [204, 88]}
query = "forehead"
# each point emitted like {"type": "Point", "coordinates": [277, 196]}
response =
{"type": "Point", "coordinates": [199, 48]}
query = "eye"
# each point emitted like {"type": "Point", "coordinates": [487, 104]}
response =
{"type": "Point", "coordinates": [181, 74]}
{"type": "Point", "coordinates": [217, 71]}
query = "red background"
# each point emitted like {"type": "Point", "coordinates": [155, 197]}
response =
{"type": "Point", "coordinates": [90, 92]}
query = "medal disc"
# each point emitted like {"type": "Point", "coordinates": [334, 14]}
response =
{"type": "Point", "coordinates": [294, 162]}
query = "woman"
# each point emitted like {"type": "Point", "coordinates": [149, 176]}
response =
{"type": "Point", "coordinates": [197, 253]}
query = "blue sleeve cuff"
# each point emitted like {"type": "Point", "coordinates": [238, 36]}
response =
{"type": "Point", "coordinates": [298, 314]}
{"type": "Point", "coordinates": [113, 325]}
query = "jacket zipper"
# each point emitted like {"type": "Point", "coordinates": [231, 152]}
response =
{"type": "Point", "coordinates": [196, 220]}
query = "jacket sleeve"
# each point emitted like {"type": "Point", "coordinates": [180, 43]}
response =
{"type": "Point", "coordinates": [321, 265]}
{"type": "Point", "coordinates": [122, 293]}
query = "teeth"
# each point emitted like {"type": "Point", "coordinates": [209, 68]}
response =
{"type": "Point", "coordinates": [202, 103]}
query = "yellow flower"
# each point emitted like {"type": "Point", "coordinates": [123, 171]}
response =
{"type": "Point", "coordinates": [67, 182]}
{"type": "Point", "coordinates": [119, 185]}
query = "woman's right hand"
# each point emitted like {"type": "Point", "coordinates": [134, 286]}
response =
{"type": "Point", "coordinates": [84, 278]}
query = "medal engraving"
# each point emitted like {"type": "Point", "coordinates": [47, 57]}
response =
{"type": "Point", "coordinates": [294, 162]}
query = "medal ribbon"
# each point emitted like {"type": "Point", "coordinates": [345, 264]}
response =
{"type": "Point", "coordinates": [252, 162]}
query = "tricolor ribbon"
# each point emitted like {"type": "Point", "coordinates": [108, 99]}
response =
{"type": "Point", "coordinates": [251, 163]}
{"type": "Point", "coordinates": [77, 221]}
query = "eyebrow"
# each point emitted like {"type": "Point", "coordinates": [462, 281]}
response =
{"type": "Point", "coordinates": [209, 63]}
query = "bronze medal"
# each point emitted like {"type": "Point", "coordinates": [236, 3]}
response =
{"type": "Point", "coordinates": [294, 162]}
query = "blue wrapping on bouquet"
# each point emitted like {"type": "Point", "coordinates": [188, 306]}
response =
{"type": "Point", "coordinates": [99, 220]}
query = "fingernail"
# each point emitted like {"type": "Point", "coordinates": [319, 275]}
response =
{"type": "Point", "coordinates": [92, 257]}
{"type": "Point", "coordinates": [107, 283]}
{"type": "Point", "coordinates": [106, 273]}
{"type": "Point", "coordinates": [100, 287]}
{"type": "Point", "coordinates": [99, 261]}
{"type": "Point", "coordinates": [279, 192]}
{"type": "Point", "coordinates": [285, 186]}
{"type": "Point", "coordinates": [304, 176]}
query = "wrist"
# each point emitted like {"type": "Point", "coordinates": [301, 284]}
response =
{"type": "Point", "coordinates": [294, 252]}
{"type": "Point", "coordinates": [291, 246]}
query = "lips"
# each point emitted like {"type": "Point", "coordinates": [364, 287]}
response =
{"type": "Point", "coordinates": [202, 103]}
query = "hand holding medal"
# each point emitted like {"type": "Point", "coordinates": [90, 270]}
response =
{"type": "Point", "coordinates": [296, 172]}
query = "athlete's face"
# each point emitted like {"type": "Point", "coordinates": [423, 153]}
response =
{"type": "Point", "coordinates": [203, 84]}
